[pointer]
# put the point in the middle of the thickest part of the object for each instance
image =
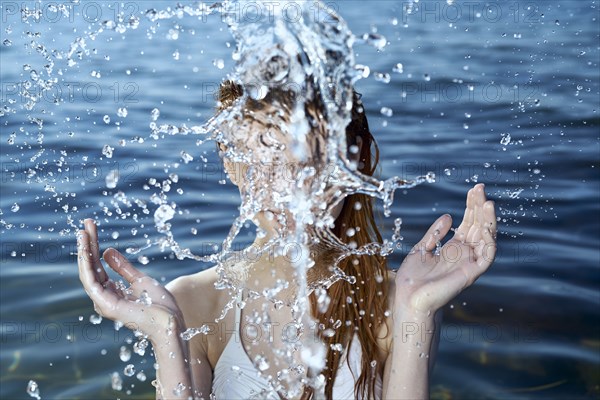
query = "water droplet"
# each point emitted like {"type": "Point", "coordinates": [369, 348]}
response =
{"type": "Point", "coordinates": [95, 319]}
{"type": "Point", "coordinates": [163, 214]}
{"type": "Point", "coordinates": [515, 194]}
{"type": "Point", "coordinates": [141, 376]}
{"type": "Point", "coordinates": [323, 300]}
{"type": "Point", "coordinates": [430, 177]}
{"type": "Point", "coordinates": [15, 207]}
{"type": "Point", "coordinates": [116, 382]}
{"type": "Point", "coordinates": [261, 363]}
{"type": "Point", "coordinates": [33, 389]}
{"type": "Point", "coordinates": [219, 63]}
{"type": "Point", "coordinates": [107, 151]}
{"type": "Point", "coordinates": [386, 111]}
{"type": "Point", "coordinates": [154, 114]}
{"type": "Point", "coordinates": [129, 370]}
{"type": "Point", "coordinates": [179, 389]}
{"type": "Point", "coordinates": [140, 347]}
{"type": "Point", "coordinates": [124, 354]}
{"type": "Point", "coordinates": [151, 14]}
{"type": "Point", "coordinates": [133, 22]}
{"type": "Point", "coordinates": [186, 157]}
{"type": "Point", "coordinates": [191, 332]}
{"type": "Point", "coordinates": [364, 70]}
{"type": "Point", "coordinates": [398, 68]}
{"type": "Point", "coordinates": [505, 139]}
{"type": "Point", "coordinates": [122, 112]}
{"type": "Point", "coordinates": [376, 40]}
{"type": "Point", "coordinates": [145, 298]}
{"type": "Point", "coordinates": [337, 347]}
{"type": "Point", "coordinates": [112, 178]}
{"type": "Point", "coordinates": [382, 77]}
{"type": "Point", "coordinates": [106, 119]}
{"type": "Point", "coordinates": [108, 24]}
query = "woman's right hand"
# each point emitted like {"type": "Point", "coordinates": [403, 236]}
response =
{"type": "Point", "coordinates": [145, 305]}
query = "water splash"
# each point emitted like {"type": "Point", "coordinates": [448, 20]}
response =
{"type": "Point", "coordinates": [33, 390]}
{"type": "Point", "coordinates": [288, 128]}
{"type": "Point", "coordinates": [297, 83]}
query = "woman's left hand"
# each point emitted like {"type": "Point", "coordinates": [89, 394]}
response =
{"type": "Point", "coordinates": [432, 275]}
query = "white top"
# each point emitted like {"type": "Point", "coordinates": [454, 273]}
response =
{"type": "Point", "coordinates": [236, 377]}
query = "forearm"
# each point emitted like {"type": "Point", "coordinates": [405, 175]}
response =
{"type": "Point", "coordinates": [173, 374]}
{"type": "Point", "coordinates": [407, 368]}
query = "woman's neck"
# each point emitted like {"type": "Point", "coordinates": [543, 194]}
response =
{"type": "Point", "coordinates": [276, 254]}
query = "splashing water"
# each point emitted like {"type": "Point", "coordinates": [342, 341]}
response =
{"type": "Point", "coordinates": [33, 390]}
{"type": "Point", "coordinates": [297, 79]}
{"type": "Point", "coordinates": [288, 128]}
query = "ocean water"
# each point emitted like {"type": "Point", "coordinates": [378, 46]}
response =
{"type": "Point", "coordinates": [505, 93]}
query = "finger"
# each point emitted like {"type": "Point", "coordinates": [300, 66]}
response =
{"type": "Point", "coordinates": [489, 216]}
{"type": "Point", "coordinates": [122, 266]}
{"type": "Point", "coordinates": [474, 233]}
{"type": "Point", "coordinates": [86, 270]}
{"type": "Point", "coordinates": [106, 298]}
{"type": "Point", "coordinates": [463, 229]}
{"type": "Point", "coordinates": [436, 232]}
{"type": "Point", "coordinates": [92, 230]}
{"type": "Point", "coordinates": [488, 251]}
{"type": "Point", "coordinates": [480, 199]}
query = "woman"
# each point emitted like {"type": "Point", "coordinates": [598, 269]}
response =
{"type": "Point", "coordinates": [380, 332]}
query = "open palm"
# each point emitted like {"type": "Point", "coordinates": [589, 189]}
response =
{"type": "Point", "coordinates": [145, 305]}
{"type": "Point", "coordinates": [432, 274]}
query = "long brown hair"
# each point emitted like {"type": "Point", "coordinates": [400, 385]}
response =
{"type": "Point", "coordinates": [354, 308]}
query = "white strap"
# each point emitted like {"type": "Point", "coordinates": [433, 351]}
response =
{"type": "Point", "coordinates": [238, 310]}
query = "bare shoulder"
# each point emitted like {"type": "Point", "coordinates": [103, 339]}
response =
{"type": "Point", "coordinates": [391, 282]}
{"type": "Point", "coordinates": [196, 296]}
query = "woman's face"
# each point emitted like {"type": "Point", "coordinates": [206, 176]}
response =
{"type": "Point", "coordinates": [232, 169]}
{"type": "Point", "coordinates": [237, 171]}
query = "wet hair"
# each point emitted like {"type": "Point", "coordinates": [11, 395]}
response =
{"type": "Point", "coordinates": [370, 291]}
